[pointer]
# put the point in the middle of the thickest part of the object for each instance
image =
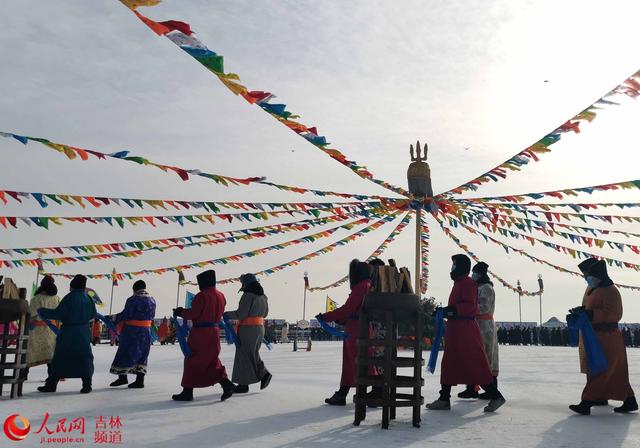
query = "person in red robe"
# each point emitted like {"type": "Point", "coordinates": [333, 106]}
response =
{"type": "Point", "coordinates": [464, 360]}
{"type": "Point", "coordinates": [348, 314]}
{"type": "Point", "coordinates": [203, 368]}
{"type": "Point", "coordinates": [96, 330]}
{"type": "Point", "coordinates": [163, 331]}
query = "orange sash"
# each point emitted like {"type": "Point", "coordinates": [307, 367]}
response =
{"type": "Point", "coordinates": [138, 323]}
{"type": "Point", "coordinates": [39, 323]}
{"type": "Point", "coordinates": [484, 316]}
{"type": "Point", "coordinates": [252, 321]}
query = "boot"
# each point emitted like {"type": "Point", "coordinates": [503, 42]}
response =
{"type": "Point", "coordinates": [339, 398]}
{"type": "Point", "coordinates": [138, 383]}
{"type": "Point", "coordinates": [185, 395]}
{"type": "Point", "coordinates": [629, 405]}
{"type": "Point", "coordinates": [376, 393]}
{"type": "Point", "coordinates": [494, 404]}
{"type": "Point", "coordinates": [50, 385]}
{"type": "Point", "coordinates": [122, 380]}
{"type": "Point", "coordinates": [485, 395]}
{"type": "Point", "coordinates": [439, 405]}
{"type": "Point", "coordinates": [583, 408]}
{"type": "Point", "coordinates": [241, 389]}
{"type": "Point", "coordinates": [601, 403]}
{"type": "Point", "coordinates": [469, 392]}
{"type": "Point", "coordinates": [227, 389]}
{"type": "Point", "coordinates": [86, 386]}
{"type": "Point", "coordinates": [266, 379]}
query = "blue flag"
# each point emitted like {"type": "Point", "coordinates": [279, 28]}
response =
{"type": "Point", "coordinates": [437, 340]}
{"type": "Point", "coordinates": [596, 360]}
{"type": "Point", "coordinates": [189, 300]}
{"type": "Point", "coordinates": [181, 335]}
{"type": "Point", "coordinates": [331, 330]}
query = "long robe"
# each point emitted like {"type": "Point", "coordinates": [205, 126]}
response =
{"type": "Point", "coordinates": [248, 367]}
{"type": "Point", "coordinates": [163, 331]}
{"type": "Point", "coordinates": [135, 342]}
{"type": "Point", "coordinates": [203, 368]}
{"type": "Point", "coordinates": [42, 341]}
{"type": "Point", "coordinates": [487, 306]}
{"type": "Point", "coordinates": [349, 313]}
{"type": "Point", "coordinates": [72, 357]}
{"type": "Point", "coordinates": [464, 360]}
{"type": "Point", "coordinates": [613, 384]}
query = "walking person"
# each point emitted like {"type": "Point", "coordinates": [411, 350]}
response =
{"type": "Point", "coordinates": [96, 330]}
{"type": "Point", "coordinates": [203, 367]}
{"type": "Point", "coordinates": [348, 314]}
{"type": "Point", "coordinates": [604, 309]}
{"type": "Point", "coordinates": [72, 357]}
{"type": "Point", "coordinates": [42, 341]}
{"type": "Point", "coordinates": [248, 367]}
{"type": "Point", "coordinates": [464, 360]}
{"type": "Point", "coordinates": [163, 331]}
{"type": "Point", "coordinates": [135, 337]}
{"type": "Point", "coordinates": [486, 309]}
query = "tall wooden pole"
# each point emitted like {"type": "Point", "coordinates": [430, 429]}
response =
{"type": "Point", "coordinates": [111, 300]}
{"type": "Point", "coordinates": [304, 304]}
{"type": "Point", "coordinates": [178, 294]}
{"type": "Point", "coordinates": [37, 276]}
{"type": "Point", "coordinates": [418, 280]}
{"type": "Point", "coordinates": [520, 300]}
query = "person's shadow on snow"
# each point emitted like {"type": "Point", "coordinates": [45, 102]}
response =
{"type": "Point", "coordinates": [400, 432]}
{"type": "Point", "coordinates": [603, 428]}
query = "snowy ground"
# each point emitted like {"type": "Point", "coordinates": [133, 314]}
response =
{"type": "Point", "coordinates": [538, 383]}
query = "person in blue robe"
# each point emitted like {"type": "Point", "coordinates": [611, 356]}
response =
{"type": "Point", "coordinates": [72, 357]}
{"type": "Point", "coordinates": [135, 338]}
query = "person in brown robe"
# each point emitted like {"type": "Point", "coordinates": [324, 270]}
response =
{"type": "Point", "coordinates": [584, 267]}
{"type": "Point", "coordinates": [603, 305]}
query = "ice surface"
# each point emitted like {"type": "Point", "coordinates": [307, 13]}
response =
{"type": "Point", "coordinates": [538, 382]}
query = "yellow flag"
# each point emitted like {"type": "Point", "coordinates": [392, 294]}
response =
{"type": "Point", "coordinates": [331, 305]}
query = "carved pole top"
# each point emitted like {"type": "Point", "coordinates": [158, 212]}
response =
{"type": "Point", "coordinates": [419, 157]}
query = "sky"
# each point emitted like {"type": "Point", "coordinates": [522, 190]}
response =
{"type": "Point", "coordinates": [490, 76]}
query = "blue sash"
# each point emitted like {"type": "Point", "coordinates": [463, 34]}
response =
{"type": "Point", "coordinates": [108, 322]}
{"type": "Point", "coordinates": [437, 340]}
{"type": "Point", "coordinates": [596, 360]}
{"type": "Point", "coordinates": [50, 324]}
{"type": "Point", "coordinates": [230, 334]}
{"type": "Point", "coordinates": [332, 331]}
{"type": "Point", "coordinates": [181, 335]}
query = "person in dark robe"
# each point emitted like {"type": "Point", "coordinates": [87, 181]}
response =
{"type": "Point", "coordinates": [348, 314]}
{"type": "Point", "coordinates": [464, 360]}
{"type": "Point", "coordinates": [203, 368]}
{"type": "Point", "coordinates": [248, 367]}
{"type": "Point", "coordinates": [72, 357]}
{"type": "Point", "coordinates": [604, 309]}
{"type": "Point", "coordinates": [135, 337]}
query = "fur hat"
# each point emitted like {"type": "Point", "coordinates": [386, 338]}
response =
{"type": "Point", "coordinates": [206, 279]}
{"type": "Point", "coordinates": [79, 282]}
